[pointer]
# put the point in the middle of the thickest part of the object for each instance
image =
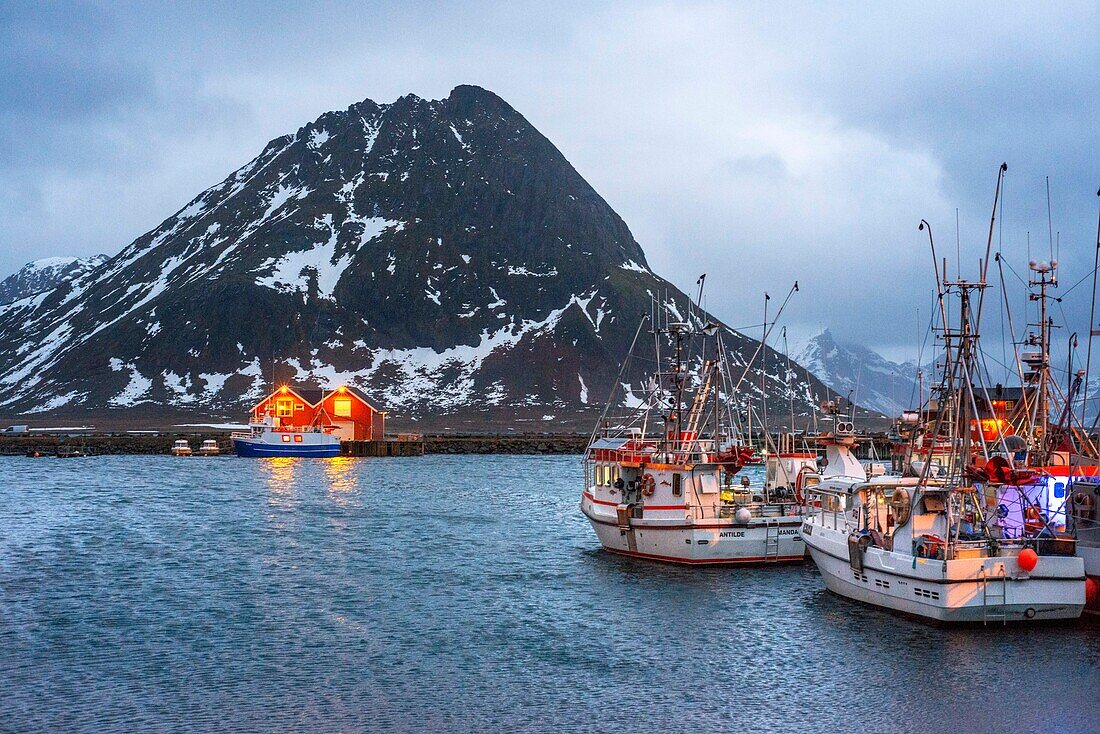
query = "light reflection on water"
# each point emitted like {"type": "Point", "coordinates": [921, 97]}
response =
{"type": "Point", "coordinates": [453, 594]}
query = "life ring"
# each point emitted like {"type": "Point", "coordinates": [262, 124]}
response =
{"type": "Point", "coordinates": [649, 485]}
{"type": "Point", "coordinates": [798, 480]}
{"type": "Point", "coordinates": [900, 504]}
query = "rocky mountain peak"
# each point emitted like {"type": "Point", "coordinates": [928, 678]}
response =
{"type": "Point", "coordinates": [442, 255]}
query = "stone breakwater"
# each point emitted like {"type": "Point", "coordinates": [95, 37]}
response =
{"type": "Point", "coordinates": [524, 444]}
{"type": "Point", "coordinates": [104, 444]}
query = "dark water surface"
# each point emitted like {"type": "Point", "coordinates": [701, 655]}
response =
{"type": "Point", "coordinates": [450, 594]}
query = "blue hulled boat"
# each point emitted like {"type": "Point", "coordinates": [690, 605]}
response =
{"type": "Point", "coordinates": [265, 440]}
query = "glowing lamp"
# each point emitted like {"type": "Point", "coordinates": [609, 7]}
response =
{"type": "Point", "coordinates": [991, 429]}
{"type": "Point", "coordinates": [283, 389]}
{"type": "Point", "coordinates": [341, 389]}
{"type": "Point", "coordinates": [1027, 559]}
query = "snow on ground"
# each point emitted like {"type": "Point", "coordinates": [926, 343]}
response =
{"type": "Point", "coordinates": [46, 263]}
{"type": "Point", "coordinates": [135, 390]}
{"type": "Point", "coordinates": [55, 402]}
{"type": "Point", "coordinates": [286, 272]}
{"type": "Point", "coordinates": [521, 270]}
{"type": "Point", "coordinates": [179, 386]}
{"type": "Point", "coordinates": [630, 400]}
{"type": "Point", "coordinates": [215, 381]}
{"type": "Point", "coordinates": [423, 375]}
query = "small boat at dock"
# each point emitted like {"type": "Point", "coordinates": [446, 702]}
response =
{"type": "Point", "coordinates": [209, 448]}
{"type": "Point", "coordinates": [264, 439]}
{"type": "Point", "coordinates": [180, 447]}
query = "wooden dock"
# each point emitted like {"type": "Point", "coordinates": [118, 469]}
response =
{"type": "Point", "coordinates": [382, 448]}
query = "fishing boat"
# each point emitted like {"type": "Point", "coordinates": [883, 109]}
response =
{"type": "Point", "coordinates": [209, 448]}
{"type": "Point", "coordinates": [659, 482]}
{"type": "Point", "coordinates": [1057, 507]}
{"type": "Point", "coordinates": [180, 447]}
{"type": "Point", "coordinates": [265, 439]}
{"type": "Point", "coordinates": [931, 544]}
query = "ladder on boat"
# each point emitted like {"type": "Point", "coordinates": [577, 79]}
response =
{"type": "Point", "coordinates": [994, 596]}
{"type": "Point", "coordinates": [771, 542]}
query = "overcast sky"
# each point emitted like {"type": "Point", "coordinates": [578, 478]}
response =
{"type": "Point", "coordinates": [759, 143]}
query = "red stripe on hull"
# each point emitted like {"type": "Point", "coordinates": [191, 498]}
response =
{"type": "Point", "coordinates": [605, 503]}
{"type": "Point", "coordinates": [706, 561]}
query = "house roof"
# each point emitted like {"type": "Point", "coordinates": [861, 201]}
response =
{"type": "Point", "coordinates": [350, 390]}
{"type": "Point", "coordinates": [310, 395]}
{"type": "Point", "coordinates": [314, 396]}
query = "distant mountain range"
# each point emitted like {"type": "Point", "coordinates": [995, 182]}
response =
{"type": "Point", "coordinates": [871, 380]}
{"type": "Point", "coordinates": [442, 255]}
{"type": "Point", "coordinates": [45, 274]}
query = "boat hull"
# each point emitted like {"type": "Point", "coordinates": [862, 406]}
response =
{"type": "Point", "coordinates": [950, 591]}
{"type": "Point", "coordinates": [258, 448]}
{"type": "Point", "coordinates": [712, 542]}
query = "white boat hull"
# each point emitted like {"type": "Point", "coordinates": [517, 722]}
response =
{"type": "Point", "coordinates": [679, 539]}
{"type": "Point", "coordinates": [949, 591]}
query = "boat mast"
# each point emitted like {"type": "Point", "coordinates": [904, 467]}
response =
{"type": "Point", "coordinates": [763, 376]}
{"type": "Point", "coordinates": [1092, 328]}
{"type": "Point", "coordinates": [1044, 277]}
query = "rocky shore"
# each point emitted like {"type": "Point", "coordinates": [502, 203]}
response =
{"type": "Point", "coordinates": [161, 443]}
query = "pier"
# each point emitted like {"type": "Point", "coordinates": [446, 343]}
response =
{"type": "Point", "coordinates": [382, 448]}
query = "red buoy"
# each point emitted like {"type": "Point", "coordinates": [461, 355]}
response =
{"type": "Point", "coordinates": [1027, 559]}
{"type": "Point", "coordinates": [1092, 593]}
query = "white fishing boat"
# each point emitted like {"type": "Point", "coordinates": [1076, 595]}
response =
{"type": "Point", "coordinates": [180, 447]}
{"type": "Point", "coordinates": [209, 448]}
{"type": "Point", "coordinates": [660, 482]}
{"type": "Point", "coordinates": [922, 547]}
{"type": "Point", "coordinates": [931, 544]}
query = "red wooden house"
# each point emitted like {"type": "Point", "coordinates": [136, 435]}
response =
{"type": "Point", "coordinates": [345, 411]}
{"type": "Point", "coordinates": [354, 417]}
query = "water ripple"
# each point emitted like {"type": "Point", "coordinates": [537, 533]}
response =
{"type": "Point", "coordinates": [449, 594]}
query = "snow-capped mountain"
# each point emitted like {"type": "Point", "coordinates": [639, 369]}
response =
{"type": "Point", "coordinates": [873, 381]}
{"type": "Point", "coordinates": [42, 275]}
{"type": "Point", "coordinates": [440, 254]}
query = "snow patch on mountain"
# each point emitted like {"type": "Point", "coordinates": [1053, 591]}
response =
{"type": "Point", "coordinates": [45, 274]}
{"type": "Point", "coordinates": [872, 380]}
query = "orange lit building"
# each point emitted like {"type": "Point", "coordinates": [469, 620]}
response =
{"type": "Point", "coordinates": [345, 412]}
{"type": "Point", "coordinates": [354, 417]}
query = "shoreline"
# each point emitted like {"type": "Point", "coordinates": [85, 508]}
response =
{"type": "Point", "coordinates": [153, 444]}
{"type": "Point", "coordinates": [146, 444]}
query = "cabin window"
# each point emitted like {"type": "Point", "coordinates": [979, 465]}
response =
{"type": "Point", "coordinates": [297, 439]}
{"type": "Point", "coordinates": [341, 407]}
{"type": "Point", "coordinates": [677, 485]}
{"type": "Point", "coordinates": [284, 408]}
{"type": "Point", "coordinates": [286, 438]}
{"type": "Point", "coordinates": [606, 475]}
{"type": "Point", "coordinates": [299, 406]}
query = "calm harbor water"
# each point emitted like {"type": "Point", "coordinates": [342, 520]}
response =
{"type": "Point", "coordinates": [450, 593]}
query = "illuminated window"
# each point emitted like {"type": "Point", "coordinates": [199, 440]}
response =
{"type": "Point", "coordinates": [284, 407]}
{"type": "Point", "coordinates": [677, 488]}
{"type": "Point", "coordinates": [286, 438]}
{"type": "Point", "coordinates": [297, 439]}
{"type": "Point", "coordinates": [299, 406]}
{"type": "Point", "coordinates": [342, 407]}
